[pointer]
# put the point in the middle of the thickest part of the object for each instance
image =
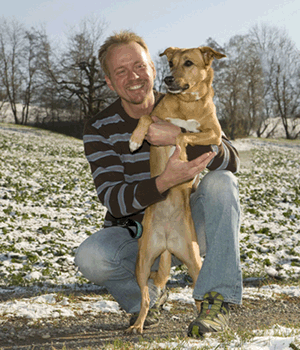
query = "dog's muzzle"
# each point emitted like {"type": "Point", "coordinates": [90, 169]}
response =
{"type": "Point", "coordinates": [173, 87]}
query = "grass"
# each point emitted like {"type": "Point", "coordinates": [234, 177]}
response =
{"type": "Point", "coordinates": [279, 141]}
{"type": "Point", "coordinates": [49, 207]}
{"type": "Point", "coordinates": [270, 202]}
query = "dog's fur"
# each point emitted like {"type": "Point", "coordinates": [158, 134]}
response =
{"type": "Point", "coordinates": [168, 225]}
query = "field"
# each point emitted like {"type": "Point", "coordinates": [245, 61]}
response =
{"type": "Point", "coordinates": [49, 206]}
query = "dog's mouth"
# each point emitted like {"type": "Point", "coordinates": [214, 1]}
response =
{"type": "Point", "coordinates": [177, 90]}
{"type": "Point", "coordinates": [173, 87]}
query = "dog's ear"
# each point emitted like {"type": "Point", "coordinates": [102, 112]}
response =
{"type": "Point", "coordinates": [169, 52]}
{"type": "Point", "coordinates": [209, 54]}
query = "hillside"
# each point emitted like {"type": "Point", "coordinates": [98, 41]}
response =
{"type": "Point", "coordinates": [49, 206]}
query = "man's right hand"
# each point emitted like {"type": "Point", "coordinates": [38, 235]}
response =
{"type": "Point", "coordinates": [162, 133]}
{"type": "Point", "coordinates": [178, 171]}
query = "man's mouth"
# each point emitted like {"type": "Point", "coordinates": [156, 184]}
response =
{"type": "Point", "coordinates": [135, 87]}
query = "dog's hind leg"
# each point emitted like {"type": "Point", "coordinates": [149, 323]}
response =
{"type": "Point", "coordinates": [194, 265]}
{"type": "Point", "coordinates": [191, 259]}
{"type": "Point", "coordinates": [189, 252]}
{"type": "Point", "coordinates": [161, 276]}
{"type": "Point", "coordinates": [193, 262]}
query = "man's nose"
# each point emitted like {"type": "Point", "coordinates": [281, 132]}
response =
{"type": "Point", "coordinates": [133, 75]}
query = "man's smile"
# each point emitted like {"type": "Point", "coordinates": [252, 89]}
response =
{"type": "Point", "coordinates": [136, 87]}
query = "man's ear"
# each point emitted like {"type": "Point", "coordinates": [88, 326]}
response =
{"type": "Point", "coordinates": [153, 68]}
{"type": "Point", "coordinates": [109, 83]}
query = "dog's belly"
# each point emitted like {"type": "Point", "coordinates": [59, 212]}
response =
{"type": "Point", "coordinates": [168, 224]}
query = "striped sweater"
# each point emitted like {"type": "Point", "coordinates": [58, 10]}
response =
{"type": "Point", "coordinates": [122, 179]}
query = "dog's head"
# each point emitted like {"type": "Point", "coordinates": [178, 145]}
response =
{"type": "Point", "coordinates": [189, 68]}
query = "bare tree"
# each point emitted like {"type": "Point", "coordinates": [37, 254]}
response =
{"type": "Point", "coordinates": [20, 56]}
{"type": "Point", "coordinates": [281, 67]}
{"type": "Point", "coordinates": [79, 77]}
{"type": "Point", "coordinates": [237, 84]}
{"type": "Point", "coordinates": [162, 71]}
{"type": "Point", "coordinates": [253, 97]}
{"type": "Point", "coordinates": [12, 49]}
{"type": "Point", "coordinates": [29, 71]}
{"type": "Point", "coordinates": [47, 98]}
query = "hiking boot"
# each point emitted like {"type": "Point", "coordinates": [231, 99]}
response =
{"type": "Point", "coordinates": [152, 319]}
{"type": "Point", "coordinates": [213, 317]}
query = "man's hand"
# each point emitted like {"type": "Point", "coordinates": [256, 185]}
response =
{"type": "Point", "coordinates": [178, 172]}
{"type": "Point", "coordinates": [162, 133]}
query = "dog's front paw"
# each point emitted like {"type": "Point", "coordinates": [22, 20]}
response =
{"type": "Point", "coordinates": [133, 146]}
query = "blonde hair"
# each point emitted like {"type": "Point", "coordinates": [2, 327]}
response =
{"type": "Point", "coordinates": [122, 38]}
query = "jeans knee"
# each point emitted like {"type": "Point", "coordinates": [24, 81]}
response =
{"type": "Point", "coordinates": [219, 183]}
{"type": "Point", "coordinates": [91, 261]}
{"type": "Point", "coordinates": [107, 255]}
{"type": "Point", "coordinates": [81, 254]}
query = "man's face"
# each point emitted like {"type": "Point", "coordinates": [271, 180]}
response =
{"type": "Point", "coordinates": [131, 73]}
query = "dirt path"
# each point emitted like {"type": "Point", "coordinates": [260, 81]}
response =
{"type": "Point", "coordinates": [98, 331]}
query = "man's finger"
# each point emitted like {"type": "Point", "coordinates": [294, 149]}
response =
{"type": "Point", "coordinates": [176, 152]}
{"type": "Point", "coordinates": [203, 158]}
{"type": "Point", "coordinates": [155, 118]}
{"type": "Point", "coordinates": [210, 156]}
{"type": "Point", "coordinates": [204, 161]}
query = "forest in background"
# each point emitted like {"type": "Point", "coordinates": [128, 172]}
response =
{"type": "Point", "coordinates": [58, 86]}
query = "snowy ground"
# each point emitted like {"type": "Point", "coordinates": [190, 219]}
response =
{"type": "Point", "coordinates": [48, 207]}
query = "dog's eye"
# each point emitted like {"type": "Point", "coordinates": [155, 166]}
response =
{"type": "Point", "coordinates": [188, 63]}
{"type": "Point", "coordinates": [171, 64]}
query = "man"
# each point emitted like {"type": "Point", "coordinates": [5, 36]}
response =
{"type": "Point", "coordinates": [125, 188]}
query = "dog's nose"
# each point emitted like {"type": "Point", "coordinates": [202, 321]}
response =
{"type": "Point", "coordinates": [169, 80]}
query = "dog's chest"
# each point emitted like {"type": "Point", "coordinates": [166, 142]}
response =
{"type": "Point", "coordinates": [190, 125]}
{"type": "Point", "coordinates": [184, 114]}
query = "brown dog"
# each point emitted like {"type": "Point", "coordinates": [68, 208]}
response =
{"type": "Point", "coordinates": [168, 225]}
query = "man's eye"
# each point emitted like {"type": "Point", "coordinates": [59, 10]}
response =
{"type": "Point", "coordinates": [121, 72]}
{"type": "Point", "coordinates": [188, 63]}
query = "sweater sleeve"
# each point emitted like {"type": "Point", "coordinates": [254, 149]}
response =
{"type": "Point", "coordinates": [227, 157]}
{"type": "Point", "coordinates": [121, 193]}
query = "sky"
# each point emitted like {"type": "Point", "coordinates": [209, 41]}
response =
{"type": "Point", "coordinates": [162, 23]}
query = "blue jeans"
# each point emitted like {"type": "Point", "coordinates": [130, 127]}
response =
{"type": "Point", "coordinates": [108, 257]}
